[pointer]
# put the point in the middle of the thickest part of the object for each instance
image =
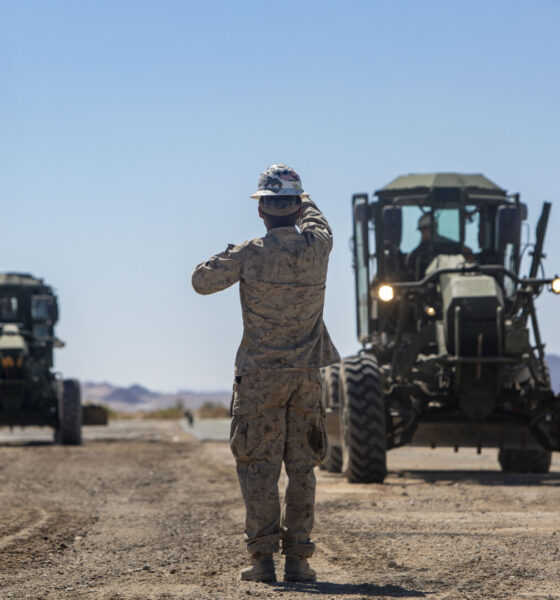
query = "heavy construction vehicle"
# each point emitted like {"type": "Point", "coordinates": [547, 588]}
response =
{"type": "Point", "coordinates": [451, 348]}
{"type": "Point", "coordinates": [31, 393]}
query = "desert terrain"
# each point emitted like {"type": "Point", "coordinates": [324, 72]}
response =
{"type": "Point", "coordinates": [145, 511]}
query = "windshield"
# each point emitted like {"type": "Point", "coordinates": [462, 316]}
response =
{"type": "Point", "coordinates": [416, 226]}
{"type": "Point", "coordinates": [410, 233]}
{"type": "Point", "coordinates": [447, 227]}
{"type": "Point", "coordinates": [448, 224]}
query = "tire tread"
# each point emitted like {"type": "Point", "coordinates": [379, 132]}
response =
{"type": "Point", "coordinates": [363, 422]}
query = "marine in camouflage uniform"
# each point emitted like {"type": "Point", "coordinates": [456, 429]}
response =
{"type": "Point", "coordinates": [276, 406]}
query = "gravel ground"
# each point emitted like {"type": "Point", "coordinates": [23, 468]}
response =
{"type": "Point", "coordinates": [144, 511]}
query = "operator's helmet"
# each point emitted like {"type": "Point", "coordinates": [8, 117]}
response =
{"type": "Point", "coordinates": [425, 221]}
{"type": "Point", "coordinates": [279, 190]}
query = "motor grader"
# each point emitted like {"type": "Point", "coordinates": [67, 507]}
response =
{"type": "Point", "coordinates": [31, 392]}
{"type": "Point", "coordinates": [451, 350]}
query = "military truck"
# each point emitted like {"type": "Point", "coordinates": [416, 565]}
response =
{"type": "Point", "coordinates": [451, 353]}
{"type": "Point", "coordinates": [31, 393]}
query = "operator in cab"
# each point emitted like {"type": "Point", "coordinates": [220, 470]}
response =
{"type": "Point", "coordinates": [418, 259]}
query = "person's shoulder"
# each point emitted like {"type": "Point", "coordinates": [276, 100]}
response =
{"type": "Point", "coordinates": [234, 248]}
{"type": "Point", "coordinates": [244, 249]}
{"type": "Point", "coordinates": [255, 243]}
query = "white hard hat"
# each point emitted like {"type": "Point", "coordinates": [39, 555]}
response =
{"type": "Point", "coordinates": [425, 221]}
{"type": "Point", "coordinates": [279, 180]}
{"type": "Point", "coordinates": [275, 183]}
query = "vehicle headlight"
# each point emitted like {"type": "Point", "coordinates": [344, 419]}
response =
{"type": "Point", "coordinates": [430, 311]}
{"type": "Point", "coordinates": [386, 293]}
{"type": "Point", "coordinates": [555, 285]}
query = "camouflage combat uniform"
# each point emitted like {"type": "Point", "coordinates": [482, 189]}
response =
{"type": "Point", "coordinates": [276, 408]}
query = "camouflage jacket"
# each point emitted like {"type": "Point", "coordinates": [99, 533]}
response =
{"type": "Point", "coordinates": [282, 280]}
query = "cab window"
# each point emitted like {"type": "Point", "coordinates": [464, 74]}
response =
{"type": "Point", "coordinates": [41, 308]}
{"type": "Point", "coordinates": [474, 231]}
{"type": "Point", "coordinates": [448, 224]}
{"type": "Point", "coordinates": [8, 308]}
{"type": "Point", "coordinates": [410, 234]}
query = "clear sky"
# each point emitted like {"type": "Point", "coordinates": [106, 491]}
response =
{"type": "Point", "coordinates": [133, 132]}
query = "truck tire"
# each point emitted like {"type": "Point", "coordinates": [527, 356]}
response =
{"type": "Point", "coordinates": [330, 386]}
{"type": "Point", "coordinates": [362, 412]}
{"type": "Point", "coordinates": [524, 461]}
{"type": "Point", "coordinates": [69, 430]}
{"type": "Point", "coordinates": [333, 460]}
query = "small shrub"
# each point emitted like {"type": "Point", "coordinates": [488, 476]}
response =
{"type": "Point", "coordinates": [212, 410]}
{"type": "Point", "coordinates": [174, 412]}
{"type": "Point", "coordinates": [113, 414]}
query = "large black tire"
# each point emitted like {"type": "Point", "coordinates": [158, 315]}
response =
{"type": "Point", "coordinates": [69, 431]}
{"type": "Point", "coordinates": [525, 461]}
{"type": "Point", "coordinates": [364, 442]}
{"type": "Point", "coordinates": [333, 460]}
{"type": "Point", "coordinates": [330, 386]}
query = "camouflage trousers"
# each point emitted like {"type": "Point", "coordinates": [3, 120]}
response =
{"type": "Point", "coordinates": [278, 417]}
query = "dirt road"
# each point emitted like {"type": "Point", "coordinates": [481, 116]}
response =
{"type": "Point", "coordinates": [143, 511]}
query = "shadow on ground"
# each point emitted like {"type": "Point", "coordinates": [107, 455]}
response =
{"type": "Point", "coordinates": [482, 477]}
{"type": "Point", "coordinates": [366, 590]}
{"type": "Point", "coordinates": [26, 443]}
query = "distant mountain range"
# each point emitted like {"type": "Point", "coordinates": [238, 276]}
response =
{"type": "Point", "coordinates": [138, 398]}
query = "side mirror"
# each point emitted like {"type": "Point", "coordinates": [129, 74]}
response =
{"type": "Point", "coordinates": [392, 224]}
{"type": "Point", "coordinates": [508, 226]}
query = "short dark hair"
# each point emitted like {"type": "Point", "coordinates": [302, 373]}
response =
{"type": "Point", "coordinates": [284, 220]}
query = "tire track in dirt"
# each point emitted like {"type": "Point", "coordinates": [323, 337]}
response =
{"type": "Point", "coordinates": [33, 521]}
{"type": "Point", "coordinates": [45, 532]}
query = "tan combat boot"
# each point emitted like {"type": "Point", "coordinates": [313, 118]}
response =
{"type": "Point", "coordinates": [261, 569]}
{"type": "Point", "coordinates": [297, 569]}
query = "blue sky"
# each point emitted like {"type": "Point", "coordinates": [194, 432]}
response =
{"type": "Point", "coordinates": [134, 132]}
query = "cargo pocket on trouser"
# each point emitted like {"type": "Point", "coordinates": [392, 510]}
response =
{"type": "Point", "coordinates": [257, 431]}
{"type": "Point", "coordinates": [317, 438]}
{"type": "Point", "coordinates": [238, 437]}
{"type": "Point", "coordinates": [239, 424]}
{"type": "Point", "coordinates": [255, 440]}
{"type": "Point", "coordinates": [308, 438]}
